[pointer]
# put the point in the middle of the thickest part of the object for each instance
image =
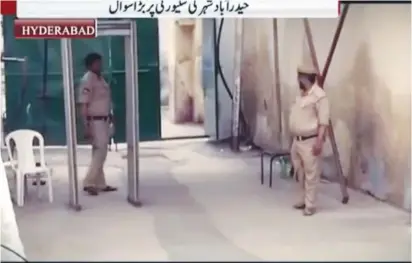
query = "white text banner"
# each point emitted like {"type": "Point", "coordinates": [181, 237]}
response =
{"type": "Point", "coordinates": [176, 8]}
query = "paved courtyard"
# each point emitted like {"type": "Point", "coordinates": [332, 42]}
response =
{"type": "Point", "coordinates": [202, 202]}
{"type": "Point", "coordinates": [169, 129]}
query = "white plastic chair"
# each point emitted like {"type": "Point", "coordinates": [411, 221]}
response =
{"type": "Point", "coordinates": [24, 165]}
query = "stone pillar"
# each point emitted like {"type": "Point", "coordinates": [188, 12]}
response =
{"type": "Point", "coordinates": [181, 102]}
{"type": "Point", "coordinates": [198, 92]}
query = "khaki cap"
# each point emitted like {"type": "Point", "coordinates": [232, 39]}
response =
{"type": "Point", "coordinates": [307, 69]}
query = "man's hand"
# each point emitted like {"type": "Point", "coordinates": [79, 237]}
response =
{"type": "Point", "coordinates": [111, 118]}
{"type": "Point", "coordinates": [317, 147]}
{"type": "Point", "coordinates": [112, 129]}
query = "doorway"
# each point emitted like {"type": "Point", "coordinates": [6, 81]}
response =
{"type": "Point", "coordinates": [181, 92]}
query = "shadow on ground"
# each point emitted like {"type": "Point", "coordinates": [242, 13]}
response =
{"type": "Point", "coordinates": [202, 202]}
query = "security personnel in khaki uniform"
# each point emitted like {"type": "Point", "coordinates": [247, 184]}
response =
{"type": "Point", "coordinates": [95, 100]}
{"type": "Point", "coordinates": [308, 120]}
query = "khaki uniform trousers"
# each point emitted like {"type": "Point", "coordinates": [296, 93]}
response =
{"type": "Point", "coordinates": [307, 168]}
{"type": "Point", "coordinates": [100, 139]}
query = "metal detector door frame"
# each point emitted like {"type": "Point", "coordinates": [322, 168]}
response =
{"type": "Point", "coordinates": [128, 30]}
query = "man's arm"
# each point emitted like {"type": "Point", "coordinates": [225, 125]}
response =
{"type": "Point", "coordinates": [111, 114]}
{"type": "Point", "coordinates": [322, 107]}
{"type": "Point", "coordinates": [84, 113]}
{"type": "Point", "coordinates": [85, 93]}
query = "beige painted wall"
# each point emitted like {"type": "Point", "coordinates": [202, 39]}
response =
{"type": "Point", "coordinates": [180, 46]}
{"type": "Point", "coordinates": [368, 85]}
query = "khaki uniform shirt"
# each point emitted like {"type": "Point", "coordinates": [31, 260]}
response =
{"type": "Point", "coordinates": [94, 91]}
{"type": "Point", "coordinates": [308, 112]}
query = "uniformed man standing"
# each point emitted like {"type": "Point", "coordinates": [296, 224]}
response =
{"type": "Point", "coordinates": [309, 119]}
{"type": "Point", "coordinates": [96, 103]}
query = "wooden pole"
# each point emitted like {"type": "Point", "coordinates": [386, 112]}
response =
{"type": "Point", "coordinates": [277, 80]}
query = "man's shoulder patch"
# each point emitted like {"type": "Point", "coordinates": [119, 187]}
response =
{"type": "Point", "coordinates": [86, 78]}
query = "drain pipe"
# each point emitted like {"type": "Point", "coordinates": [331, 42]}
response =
{"type": "Point", "coordinates": [277, 80]}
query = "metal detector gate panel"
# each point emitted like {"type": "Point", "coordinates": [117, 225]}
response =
{"type": "Point", "coordinates": [128, 30]}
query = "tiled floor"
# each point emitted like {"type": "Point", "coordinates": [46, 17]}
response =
{"type": "Point", "coordinates": [205, 203]}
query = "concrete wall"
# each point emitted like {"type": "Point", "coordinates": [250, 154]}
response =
{"type": "Point", "coordinates": [368, 85]}
{"type": "Point", "coordinates": [180, 53]}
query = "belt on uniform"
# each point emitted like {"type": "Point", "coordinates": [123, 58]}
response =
{"type": "Point", "coordinates": [302, 138]}
{"type": "Point", "coordinates": [97, 118]}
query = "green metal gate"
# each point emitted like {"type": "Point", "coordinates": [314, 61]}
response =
{"type": "Point", "coordinates": [34, 95]}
